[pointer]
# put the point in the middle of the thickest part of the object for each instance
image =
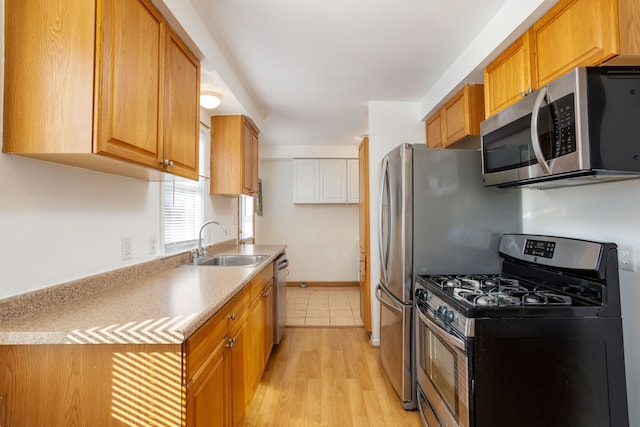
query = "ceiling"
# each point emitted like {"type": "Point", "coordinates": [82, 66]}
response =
{"type": "Point", "coordinates": [311, 67]}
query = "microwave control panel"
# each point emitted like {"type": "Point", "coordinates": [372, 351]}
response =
{"type": "Point", "coordinates": [564, 126]}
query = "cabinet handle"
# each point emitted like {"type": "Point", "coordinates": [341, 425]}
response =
{"type": "Point", "coordinates": [166, 162]}
{"type": "Point", "coordinates": [231, 343]}
{"type": "Point", "coordinates": [266, 294]}
{"type": "Point", "coordinates": [526, 92]}
{"type": "Point", "coordinates": [232, 316]}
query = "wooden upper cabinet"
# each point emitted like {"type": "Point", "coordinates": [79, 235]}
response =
{"type": "Point", "coordinates": [508, 78]}
{"type": "Point", "coordinates": [578, 33]}
{"type": "Point", "coordinates": [434, 130]}
{"type": "Point", "coordinates": [182, 114]}
{"type": "Point", "coordinates": [459, 118]}
{"type": "Point", "coordinates": [574, 33]}
{"type": "Point", "coordinates": [96, 81]}
{"type": "Point", "coordinates": [234, 156]}
{"type": "Point", "coordinates": [130, 95]}
{"type": "Point", "coordinates": [250, 155]}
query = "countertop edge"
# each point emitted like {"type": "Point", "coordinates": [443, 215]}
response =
{"type": "Point", "coordinates": [161, 330]}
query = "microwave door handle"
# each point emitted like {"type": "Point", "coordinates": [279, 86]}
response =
{"type": "Point", "coordinates": [535, 140]}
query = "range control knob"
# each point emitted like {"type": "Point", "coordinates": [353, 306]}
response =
{"type": "Point", "coordinates": [445, 314]}
{"type": "Point", "coordinates": [422, 294]}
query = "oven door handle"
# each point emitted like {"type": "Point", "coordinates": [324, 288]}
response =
{"type": "Point", "coordinates": [441, 333]}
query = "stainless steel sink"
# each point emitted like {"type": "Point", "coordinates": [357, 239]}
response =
{"type": "Point", "coordinates": [233, 260]}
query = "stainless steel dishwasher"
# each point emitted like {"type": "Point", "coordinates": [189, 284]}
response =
{"type": "Point", "coordinates": [280, 285]}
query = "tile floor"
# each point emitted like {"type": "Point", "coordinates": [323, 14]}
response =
{"type": "Point", "coordinates": [323, 306]}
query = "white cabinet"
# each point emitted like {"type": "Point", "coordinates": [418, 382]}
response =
{"type": "Point", "coordinates": [325, 181]}
{"type": "Point", "coordinates": [306, 185]}
{"type": "Point", "coordinates": [353, 188]}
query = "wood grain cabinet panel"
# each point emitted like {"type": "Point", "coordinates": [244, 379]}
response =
{"type": "Point", "coordinates": [508, 78]}
{"type": "Point", "coordinates": [459, 118]}
{"type": "Point", "coordinates": [573, 33]}
{"type": "Point", "coordinates": [363, 233]}
{"type": "Point", "coordinates": [234, 156]}
{"type": "Point", "coordinates": [434, 130]}
{"type": "Point", "coordinates": [95, 81]}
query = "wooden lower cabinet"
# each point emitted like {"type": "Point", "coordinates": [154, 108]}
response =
{"type": "Point", "coordinates": [208, 397]}
{"type": "Point", "coordinates": [76, 385]}
{"type": "Point", "coordinates": [240, 360]}
{"type": "Point", "coordinates": [206, 381]}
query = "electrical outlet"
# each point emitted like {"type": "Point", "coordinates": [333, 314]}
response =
{"type": "Point", "coordinates": [153, 245]}
{"type": "Point", "coordinates": [127, 248]}
{"type": "Point", "coordinates": [626, 258]}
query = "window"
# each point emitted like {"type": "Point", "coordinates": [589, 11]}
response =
{"type": "Point", "coordinates": [183, 202]}
{"type": "Point", "coordinates": [246, 208]}
{"type": "Point", "coordinates": [183, 212]}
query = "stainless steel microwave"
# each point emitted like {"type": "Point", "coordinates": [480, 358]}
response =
{"type": "Point", "coordinates": [584, 127]}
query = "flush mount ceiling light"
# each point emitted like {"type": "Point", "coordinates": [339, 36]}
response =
{"type": "Point", "coordinates": [209, 100]}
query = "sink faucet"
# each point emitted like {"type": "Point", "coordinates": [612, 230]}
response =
{"type": "Point", "coordinates": [201, 251]}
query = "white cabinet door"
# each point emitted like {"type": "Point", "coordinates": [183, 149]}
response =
{"type": "Point", "coordinates": [353, 189]}
{"type": "Point", "coordinates": [325, 181]}
{"type": "Point", "coordinates": [306, 185]}
{"type": "Point", "coordinates": [333, 181]}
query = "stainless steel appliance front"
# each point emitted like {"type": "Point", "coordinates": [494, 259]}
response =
{"type": "Point", "coordinates": [442, 369]}
{"type": "Point", "coordinates": [432, 204]}
{"type": "Point", "coordinates": [579, 128]}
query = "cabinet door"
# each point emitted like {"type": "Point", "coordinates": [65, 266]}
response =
{"type": "Point", "coordinates": [363, 211]}
{"type": "Point", "coordinates": [434, 130]}
{"type": "Point", "coordinates": [462, 114]}
{"type": "Point", "coordinates": [182, 112]}
{"type": "Point", "coordinates": [250, 161]}
{"type": "Point", "coordinates": [269, 297]}
{"type": "Point", "coordinates": [208, 395]}
{"type": "Point", "coordinates": [353, 188]}
{"type": "Point", "coordinates": [256, 322]}
{"type": "Point", "coordinates": [240, 358]}
{"type": "Point", "coordinates": [130, 61]}
{"type": "Point", "coordinates": [333, 181]}
{"type": "Point", "coordinates": [508, 77]}
{"type": "Point", "coordinates": [306, 186]}
{"type": "Point", "coordinates": [48, 77]}
{"type": "Point", "coordinates": [572, 34]}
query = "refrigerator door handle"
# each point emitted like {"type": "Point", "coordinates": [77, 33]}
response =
{"type": "Point", "coordinates": [384, 251]}
{"type": "Point", "coordinates": [395, 307]}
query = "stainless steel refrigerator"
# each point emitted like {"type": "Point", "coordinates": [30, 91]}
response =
{"type": "Point", "coordinates": [436, 217]}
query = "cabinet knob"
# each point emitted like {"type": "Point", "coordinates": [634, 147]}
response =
{"type": "Point", "coordinates": [166, 162]}
{"type": "Point", "coordinates": [232, 316]}
{"type": "Point", "coordinates": [231, 343]}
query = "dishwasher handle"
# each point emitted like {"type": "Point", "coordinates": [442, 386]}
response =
{"type": "Point", "coordinates": [282, 263]}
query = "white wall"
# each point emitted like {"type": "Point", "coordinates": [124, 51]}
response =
{"type": "Point", "coordinates": [390, 124]}
{"type": "Point", "coordinates": [322, 239]}
{"type": "Point", "coordinates": [605, 212]}
{"type": "Point", "coordinates": [60, 223]}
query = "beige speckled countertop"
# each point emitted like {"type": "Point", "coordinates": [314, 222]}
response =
{"type": "Point", "coordinates": [159, 308]}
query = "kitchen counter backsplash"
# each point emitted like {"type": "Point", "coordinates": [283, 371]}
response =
{"type": "Point", "coordinates": [161, 301]}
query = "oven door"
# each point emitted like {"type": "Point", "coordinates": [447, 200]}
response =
{"type": "Point", "coordinates": [442, 368]}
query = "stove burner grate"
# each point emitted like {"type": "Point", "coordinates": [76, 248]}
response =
{"type": "Point", "coordinates": [495, 291]}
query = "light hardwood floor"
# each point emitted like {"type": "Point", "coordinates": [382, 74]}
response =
{"type": "Point", "coordinates": [326, 377]}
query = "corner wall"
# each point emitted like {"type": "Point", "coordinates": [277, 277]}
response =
{"type": "Point", "coordinates": [390, 124]}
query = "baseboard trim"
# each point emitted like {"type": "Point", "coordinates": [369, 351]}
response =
{"type": "Point", "coordinates": [323, 284]}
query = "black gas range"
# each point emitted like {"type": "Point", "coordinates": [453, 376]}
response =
{"type": "Point", "coordinates": [539, 343]}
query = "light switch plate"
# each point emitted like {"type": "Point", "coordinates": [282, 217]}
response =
{"type": "Point", "coordinates": [127, 248]}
